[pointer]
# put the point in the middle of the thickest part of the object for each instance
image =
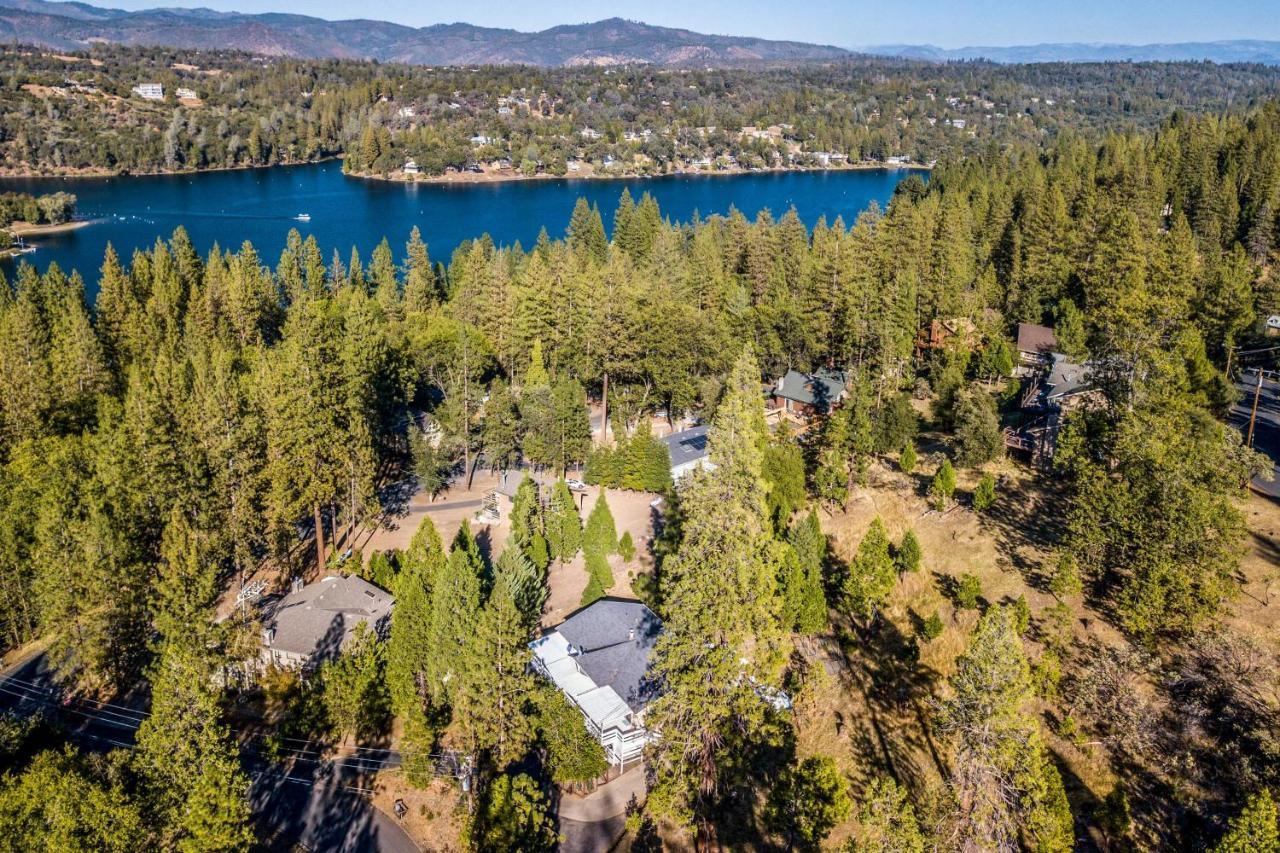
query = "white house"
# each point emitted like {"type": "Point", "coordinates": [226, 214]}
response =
{"type": "Point", "coordinates": [149, 91]}
{"type": "Point", "coordinates": [185, 94]}
{"type": "Point", "coordinates": [599, 658]}
{"type": "Point", "coordinates": [411, 168]}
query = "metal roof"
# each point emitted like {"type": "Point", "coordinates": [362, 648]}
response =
{"type": "Point", "coordinates": [820, 389]}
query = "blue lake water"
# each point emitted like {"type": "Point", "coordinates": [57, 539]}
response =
{"type": "Point", "coordinates": [259, 205]}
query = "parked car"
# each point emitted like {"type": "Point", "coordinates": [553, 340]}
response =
{"type": "Point", "coordinates": [576, 485]}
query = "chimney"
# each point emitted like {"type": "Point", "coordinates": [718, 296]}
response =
{"type": "Point", "coordinates": [296, 586]}
{"type": "Point", "coordinates": [268, 636]}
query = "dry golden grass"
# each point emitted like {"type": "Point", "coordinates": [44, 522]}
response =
{"type": "Point", "coordinates": [434, 817]}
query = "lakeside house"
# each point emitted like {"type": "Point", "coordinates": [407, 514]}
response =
{"type": "Point", "coordinates": [315, 623]}
{"type": "Point", "coordinates": [808, 394]}
{"type": "Point", "coordinates": [687, 450]}
{"type": "Point", "coordinates": [599, 658]}
{"type": "Point", "coordinates": [411, 168]}
{"type": "Point", "coordinates": [149, 91]}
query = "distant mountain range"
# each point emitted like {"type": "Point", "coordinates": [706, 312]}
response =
{"type": "Point", "coordinates": [74, 26]}
{"type": "Point", "coordinates": [1242, 50]}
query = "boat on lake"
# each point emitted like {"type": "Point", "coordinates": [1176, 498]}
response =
{"type": "Point", "coordinates": [303, 217]}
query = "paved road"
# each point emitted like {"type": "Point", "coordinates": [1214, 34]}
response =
{"type": "Point", "coordinates": [303, 804]}
{"type": "Point", "coordinates": [1266, 429]}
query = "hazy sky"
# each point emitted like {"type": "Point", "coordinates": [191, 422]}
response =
{"type": "Point", "coordinates": [842, 22]}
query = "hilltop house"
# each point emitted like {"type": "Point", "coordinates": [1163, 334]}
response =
{"type": "Point", "coordinates": [149, 91]}
{"type": "Point", "coordinates": [807, 394]}
{"type": "Point", "coordinates": [314, 623]}
{"type": "Point", "coordinates": [599, 658]}
{"type": "Point", "coordinates": [688, 450]}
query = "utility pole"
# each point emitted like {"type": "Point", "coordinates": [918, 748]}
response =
{"type": "Point", "coordinates": [1230, 351]}
{"type": "Point", "coordinates": [1253, 415]}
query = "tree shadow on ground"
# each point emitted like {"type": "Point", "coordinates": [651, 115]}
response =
{"type": "Point", "coordinates": [1027, 515]}
{"type": "Point", "coordinates": [883, 663]}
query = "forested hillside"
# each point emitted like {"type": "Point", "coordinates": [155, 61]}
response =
{"type": "Point", "coordinates": [208, 413]}
{"type": "Point", "coordinates": [77, 113]}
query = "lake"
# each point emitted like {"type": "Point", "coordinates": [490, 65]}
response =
{"type": "Point", "coordinates": [259, 205]}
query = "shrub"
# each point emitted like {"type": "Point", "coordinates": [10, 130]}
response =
{"type": "Point", "coordinates": [1021, 615]}
{"type": "Point", "coordinates": [943, 486]}
{"type": "Point", "coordinates": [908, 555]}
{"type": "Point", "coordinates": [984, 496]}
{"type": "Point", "coordinates": [968, 591]}
{"type": "Point", "coordinates": [933, 627]}
{"type": "Point", "coordinates": [907, 461]}
{"type": "Point", "coordinates": [626, 547]}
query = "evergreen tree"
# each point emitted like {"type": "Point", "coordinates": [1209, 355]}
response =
{"type": "Point", "coordinates": [978, 435]}
{"type": "Point", "coordinates": [810, 545]}
{"type": "Point", "coordinates": [943, 485]}
{"type": "Point", "coordinates": [872, 574]}
{"type": "Point", "coordinates": [456, 596]}
{"type": "Point", "coordinates": [984, 496]}
{"type": "Point", "coordinates": [1254, 830]}
{"type": "Point", "coordinates": [564, 525]}
{"type": "Point", "coordinates": [887, 821]}
{"type": "Point", "coordinates": [808, 801]}
{"type": "Point", "coordinates": [492, 702]}
{"type": "Point", "coordinates": [354, 687]}
{"type": "Point", "coordinates": [514, 815]}
{"type": "Point", "coordinates": [720, 607]}
{"type": "Point", "coordinates": [187, 759]}
{"type": "Point", "coordinates": [572, 753]}
{"type": "Point", "coordinates": [908, 556]}
{"type": "Point", "coordinates": [409, 641]}
{"type": "Point", "coordinates": [1004, 785]}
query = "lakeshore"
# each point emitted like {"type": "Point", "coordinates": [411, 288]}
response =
{"type": "Point", "coordinates": [588, 173]}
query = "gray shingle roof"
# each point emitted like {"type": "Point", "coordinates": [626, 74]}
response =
{"type": "Point", "coordinates": [820, 389]}
{"type": "Point", "coordinates": [614, 640]}
{"type": "Point", "coordinates": [687, 445]}
{"type": "Point", "coordinates": [1065, 378]}
{"type": "Point", "coordinates": [321, 618]}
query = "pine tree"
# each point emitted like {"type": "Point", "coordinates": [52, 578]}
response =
{"type": "Point", "coordinates": [564, 525]}
{"type": "Point", "coordinates": [720, 607]}
{"type": "Point", "coordinates": [810, 544]}
{"type": "Point", "coordinates": [872, 574]}
{"type": "Point", "coordinates": [1004, 784]}
{"type": "Point", "coordinates": [456, 596]}
{"type": "Point", "coordinates": [808, 801]}
{"type": "Point", "coordinates": [536, 376]}
{"type": "Point", "coordinates": [526, 580]}
{"type": "Point", "coordinates": [492, 699]}
{"type": "Point", "coordinates": [1254, 830]}
{"type": "Point", "coordinates": [943, 485]}
{"type": "Point", "coordinates": [409, 642]}
{"type": "Point", "coordinates": [887, 821]}
{"type": "Point", "coordinates": [908, 556]}
{"type": "Point", "coordinates": [984, 496]}
{"type": "Point", "coordinates": [354, 687]}
{"type": "Point", "coordinates": [573, 754]}
{"type": "Point", "coordinates": [601, 536]}
{"type": "Point", "coordinates": [187, 760]}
